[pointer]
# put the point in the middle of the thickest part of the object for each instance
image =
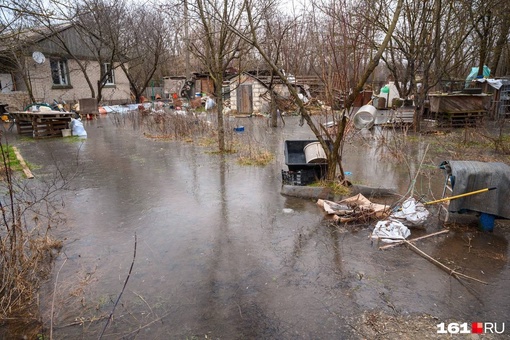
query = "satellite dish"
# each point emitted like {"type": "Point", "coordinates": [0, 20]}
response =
{"type": "Point", "coordinates": [38, 57]}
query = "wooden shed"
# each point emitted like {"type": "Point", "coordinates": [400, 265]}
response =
{"type": "Point", "coordinates": [250, 94]}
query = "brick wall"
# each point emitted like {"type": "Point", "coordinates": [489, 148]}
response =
{"type": "Point", "coordinates": [16, 101]}
{"type": "Point", "coordinates": [42, 87]}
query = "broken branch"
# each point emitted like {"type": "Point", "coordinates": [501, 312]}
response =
{"type": "Point", "coordinates": [414, 239]}
{"type": "Point", "coordinates": [456, 274]}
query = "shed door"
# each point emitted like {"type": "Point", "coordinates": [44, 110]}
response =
{"type": "Point", "coordinates": [245, 99]}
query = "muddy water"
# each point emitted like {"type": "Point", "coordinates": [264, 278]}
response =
{"type": "Point", "coordinates": [221, 253]}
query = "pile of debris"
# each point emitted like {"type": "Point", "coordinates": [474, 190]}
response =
{"type": "Point", "coordinates": [355, 208]}
{"type": "Point", "coordinates": [392, 225]}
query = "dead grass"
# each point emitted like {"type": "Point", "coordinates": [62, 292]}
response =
{"type": "Point", "coordinates": [337, 188]}
{"type": "Point", "coordinates": [257, 158]}
{"type": "Point", "coordinates": [27, 250]}
{"type": "Point", "coordinates": [190, 128]}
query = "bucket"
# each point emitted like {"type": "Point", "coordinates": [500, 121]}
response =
{"type": "Point", "coordinates": [486, 222]}
{"type": "Point", "coordinates": [365, 117]}
{"type": "Point", "coordinates": [66, 132]}
{"type": "Point", "coordinates": [381, 103]}
{"type": "Point", "coordinates": [314, 153]}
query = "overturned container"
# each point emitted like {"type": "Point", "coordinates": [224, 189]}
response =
{"type": "Point", "coordinates": [365, 117]}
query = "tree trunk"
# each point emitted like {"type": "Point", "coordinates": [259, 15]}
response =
{"type": "Point", "coordinates": [273, 110]}
{"type": "Point", "coordinates": [99, 92]}
{"type": "Point", "coordinates": [500, 44]}
{"type": "Point", "coordinates": [219, 111]}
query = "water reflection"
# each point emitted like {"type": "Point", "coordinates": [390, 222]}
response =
{"type": "Point", "coordinates": [218, 252]}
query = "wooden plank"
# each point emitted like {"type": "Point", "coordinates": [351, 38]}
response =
{"type": "Point", "coordinates": [453, 103]}
{"type": "Point", "coordinates": [26, 170]}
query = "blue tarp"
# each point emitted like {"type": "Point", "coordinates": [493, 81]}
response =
{"type": "Point", "coordinates": [474, 72]}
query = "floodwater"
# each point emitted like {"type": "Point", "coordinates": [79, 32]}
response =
{"type": "Point", "coordinates": [220, 253]}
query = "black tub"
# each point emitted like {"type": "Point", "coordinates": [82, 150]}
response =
{"type": "Point", "coordinates": [300, 172]}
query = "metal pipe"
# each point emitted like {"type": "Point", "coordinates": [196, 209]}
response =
{"type": "Point", "coordinates": [461, 195]}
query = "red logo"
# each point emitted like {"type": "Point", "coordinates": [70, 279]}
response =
{"type": "Point", "coordinates": [477, 327]}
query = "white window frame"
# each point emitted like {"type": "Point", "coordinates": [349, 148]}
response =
{"type": "Point", "coordinates": [109, 80]}
{"type": "Point", "coordinates": [60, 72]}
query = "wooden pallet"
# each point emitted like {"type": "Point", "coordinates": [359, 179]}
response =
{"type": "Point", "coordinates": [460, 119]}
{"type": "Point", "coordinates": [42, 124]}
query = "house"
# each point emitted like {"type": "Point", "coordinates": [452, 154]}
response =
{"type": "Point", "coordinates": [180, 86]}
{"type": "Point", "coordinates": [48, 64]}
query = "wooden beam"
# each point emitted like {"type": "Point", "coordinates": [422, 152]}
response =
{"type": "Point", "coordinates": [26, 170]}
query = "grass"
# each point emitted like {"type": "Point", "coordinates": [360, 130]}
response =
{"type": "Point", "coordinates": [336, 187]}
{"type": "Point", "coordinates": [258, 158]}
{"type": "Point", "coordinates": [207, 141]}
{"type": "Point", "coordinates": [27, 250]}
{"type": "Point", "coordinates": [12, 161]}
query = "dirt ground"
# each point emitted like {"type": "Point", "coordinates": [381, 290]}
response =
{"type": "Point", "coordinates": [378, 325]}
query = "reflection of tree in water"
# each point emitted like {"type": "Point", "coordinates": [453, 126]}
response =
{"type": "Point", "coordinates": [256, 324]}
{"type": "Point", "coordinates": [471, 250]}
{"type": "Point", "coordinates": [231, 290]}
{"type": "Point", "coordinates": [481, 255]}
{"type": "Point", "coordinates": [325, 239]}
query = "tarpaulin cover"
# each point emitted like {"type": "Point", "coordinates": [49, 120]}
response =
{"type": "Point", "coordinates": [468, 176]}
{"type": "Point", "coordinates": [474, 72]}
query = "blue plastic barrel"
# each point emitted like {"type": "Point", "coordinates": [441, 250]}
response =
{"type": "Point", "coordinates": [486, 222]}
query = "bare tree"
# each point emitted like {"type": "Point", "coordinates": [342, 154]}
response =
{"type": "Point", "coordinates": [502, 33]}
{"type": "Point", "coordinates": [333, 154]}
{"type": "Point", "coordinates": [93, 24]}
{"type": "Point", "coordinates": [15, 21]}
{"type": "Point", "coordinates": [429, 45]}
{"type": "Point", "coordinates": [145, 50]}
{"type": "Point", "coordinates": [216, 45]}
{"type": "Point", "coordinates": [275, 32]}
{"type": "Point", "coordinates": [491, 28]}
{"type": "Point", "coordinates": [104, 26]}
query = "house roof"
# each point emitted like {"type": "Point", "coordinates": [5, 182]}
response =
{"type": "Point", "coordinates": [18, 40]}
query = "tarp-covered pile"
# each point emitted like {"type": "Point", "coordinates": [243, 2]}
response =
{"type": "Point", "coordinates": [467, 176]}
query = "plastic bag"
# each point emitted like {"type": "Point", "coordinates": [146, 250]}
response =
{"type": "Point", "coordinates": [77, 128]}
{"type": "Point", "coordinates": [412, 213]}
{"type": "Point", "coordinates": [390, 231]}
{"type": "Point", "coordinates": [209, 103]}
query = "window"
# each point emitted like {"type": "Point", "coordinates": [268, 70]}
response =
{"type": "Point", "coordinates": [59, 72]}
{"type": "Point", "coordinates": [108, 73]}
